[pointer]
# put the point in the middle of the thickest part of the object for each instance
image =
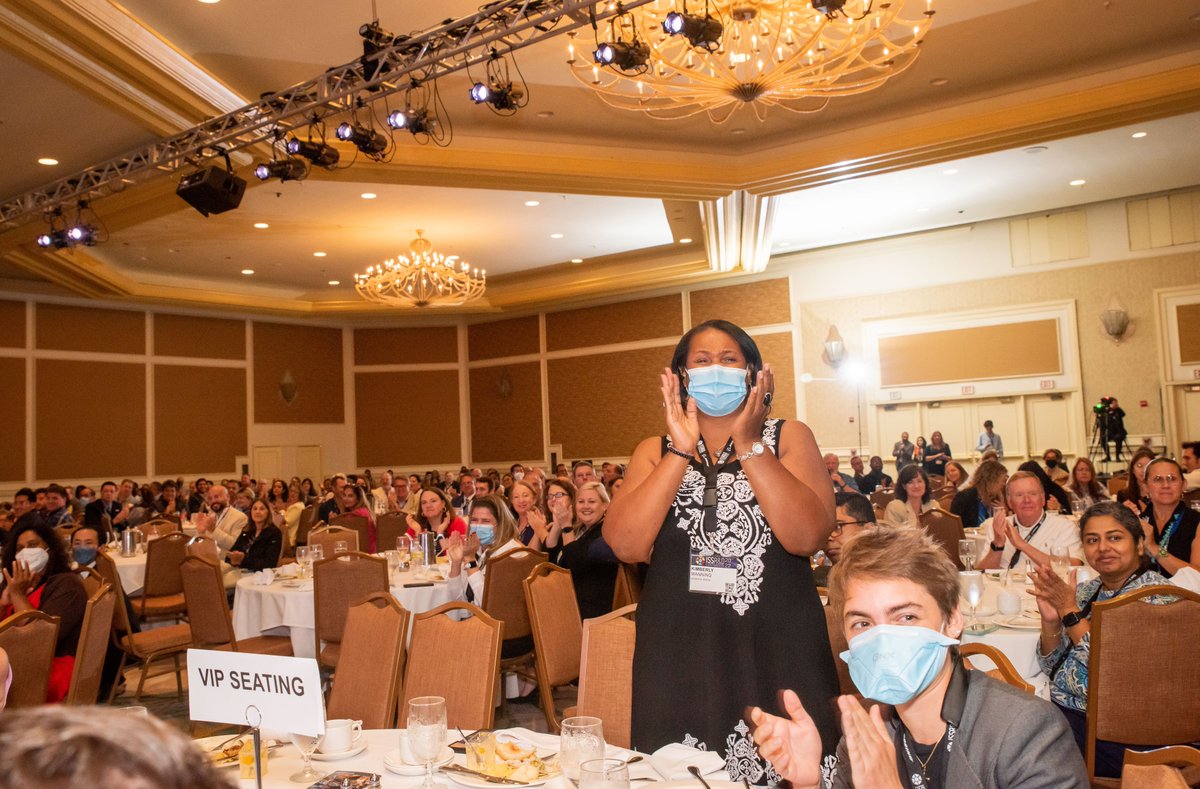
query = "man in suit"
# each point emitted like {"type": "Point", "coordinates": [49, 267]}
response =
{"type": "Point", "coordinates": [107, 505]}
{"type": "Point", "coordinates": [903, 451]}
{"type": "Point", "coordinates": [222, 522]}
{"type": "Point", "coordinates": [466, 495]}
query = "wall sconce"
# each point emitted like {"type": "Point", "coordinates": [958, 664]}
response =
{"type": "Point", "coordinates": [288, 388]}
{"type": "Point", "coordinates": [1115, 320]}
{"type": "Point", "coordinates": [835, 348]}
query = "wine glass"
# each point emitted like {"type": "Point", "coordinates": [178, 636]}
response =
{"type": "Point", "coordinates": [427, 733]}
{"type": "Point", "coordinates": [972, 590]}
{"type": "Point", "coordinates": [306, 744]}
{"type": "Point", "coordinates": [966, 553]}
{"type": "Point", "coordinates": [581, 739]}
{"type": "Point", "coordinates": [304, 559]}
{"type": "Point", "coordinates": [1060, 562]}
{"type": "Point", "coordinates": [393, 562]}
{"type": "Point", "coordinates": [604, 774]}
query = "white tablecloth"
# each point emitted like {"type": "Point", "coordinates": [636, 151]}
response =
{"type": "Point", "coordinates": [132, 570]}
{"type": "Point", "coordinates": [287, 610]}
{"type": "Point", "coordinates": [1018, 644]}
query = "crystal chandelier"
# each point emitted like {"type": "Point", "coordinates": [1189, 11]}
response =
{"type": "Point", "coordinates": [726, 54]}
{"type": "Point", "coordinates": [422, 278]}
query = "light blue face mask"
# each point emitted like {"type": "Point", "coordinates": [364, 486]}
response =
{"type": "Point", "coordinates": [718, 390]}
{"type": "Point", "coordinates": [485, 532]}
{"type": "Point", "coordinates": [892, 664]}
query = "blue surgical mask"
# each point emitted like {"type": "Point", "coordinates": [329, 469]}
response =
{"type": "Point", "coordinates": [892, 664]}
{"type": "Point", "coordinates": [84, 554]}
{"type": "Point", "coordinates": [718, 390]}
{"type": "Point", "coordinates": [485, 532]}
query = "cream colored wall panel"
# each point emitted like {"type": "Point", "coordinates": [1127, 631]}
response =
{"type": "Point", "coordinates": [1077, 235]}
{"type": "Point", "coordinates": [1189, 413]}
{"type": "Point", "coordinates": [1160, 222]}
{"type": "Point", "coordinates": [1018, 239]}
{"type": "Point", "coordinates": [1137, 213]}
{"type": "Point", "coordinates": [1048, 422]}
{"type": "Point", "coordinates": [1183, 217]}
{"type": "Point", "coordinates": [1006, 420]}
{"type": "Point", "coordinates": [954, 420]}
{"type": "Point", "coordinates": [903, 418]}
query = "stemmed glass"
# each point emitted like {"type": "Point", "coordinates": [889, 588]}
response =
{"type": "Point", "coordinates": [972, 589]}
{"type": "Point", "coordinates": [306, 743]}
{"type": "Point", "coordinates": [304, 559]}
{"type": "Point", "coordinates": [427, 733]}
{"type": "Point", "coordinates": [317, 552]}
{"type": "Point", "coordinates": [966, 553]}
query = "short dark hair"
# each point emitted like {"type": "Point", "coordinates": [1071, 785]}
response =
{"type": "Point", "coordinates": [907, 474]}
{"type": "Point", "coordinates": [745, 342]}
{"type": "Point", "coordinates": [579, 463]}
{"type": "Point", "coordinates": [1118, 512]}
{"type": "Point", "coordinates": [106, 483]}
{"type": "Point", "coordinates": [85, 527]}
{"type": "Point", "coordinates": [25, 492]}
{"type": "Point", "coordinates": [1192, 445]}
{"type": "Point", "coordinates": [857, 505]}
{"type": "Point", "coordinates": [988, 423]}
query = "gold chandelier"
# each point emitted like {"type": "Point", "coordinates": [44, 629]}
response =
{"type": "Point", "coordinates": [761, 53]}
{"type": "Point", "coordinates": [422, 278]}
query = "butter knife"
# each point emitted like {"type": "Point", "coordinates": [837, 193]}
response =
{"type": "Point", "coordinates": [492, 779]}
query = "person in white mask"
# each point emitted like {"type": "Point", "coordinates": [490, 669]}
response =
{"type": "Point", "coordinates": [37, 575]}
{"type": "Point", "coordinates": [896, 595]}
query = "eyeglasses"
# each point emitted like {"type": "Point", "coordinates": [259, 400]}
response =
{"type": "Point", "coordinates": [837, 529]}
{"type": "Point", "coordinates": [1170, 479]}
{"type": "Point", "coordinates": [556, 496]}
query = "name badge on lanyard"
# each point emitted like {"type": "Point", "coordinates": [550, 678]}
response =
{"type": "Point", "coordinates": [712, 574]}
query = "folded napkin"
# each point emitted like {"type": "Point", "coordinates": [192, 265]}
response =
{"type": "Point", "coordinates": [263, 577]}
{"type": "Point", "coordinates": [671, 761]}
{"type": "Point", "coordinates": [291, 570]}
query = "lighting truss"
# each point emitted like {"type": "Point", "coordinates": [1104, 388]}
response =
{"type": "Point", "coordinates": [441, 50]}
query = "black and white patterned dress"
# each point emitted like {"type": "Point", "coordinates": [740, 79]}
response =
{"type": "Point", "coordinates": [702, 659]}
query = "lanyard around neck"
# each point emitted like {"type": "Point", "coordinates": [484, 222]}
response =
{"type": "Point", "coordinates": [1017, 524]}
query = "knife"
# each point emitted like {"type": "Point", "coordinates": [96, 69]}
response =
{"type": "Point", "coordinates": [492, 779]}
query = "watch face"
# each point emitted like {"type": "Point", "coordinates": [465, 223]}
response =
{"type": "Point", "coordinates": [756, 448]}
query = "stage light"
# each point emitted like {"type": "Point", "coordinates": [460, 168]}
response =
{"type": "Point", "coordinates": [415, 121]}
{"type": "Point", "coordinates": [363, 138]}
{"type": "Point", "coordinates": [480, 93]}
{"type": "Point", "coordinates": [319, 153]}
{"type": "Point", "coordinates": [623, 55]}
{"type": "Point", "coordinates": [283, 169]}
{"type": "Point", "coordinates": [502, 97]}
{"type": "Point", "coordinates": [702, 32]}
{"type": "Point", "coordinates": [45, 240]}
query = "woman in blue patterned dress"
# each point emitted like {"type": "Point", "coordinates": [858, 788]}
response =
{"type": "Point", "coordinates": [726, 508]}
{"type": "Point", "coordinates": [1112, 543]}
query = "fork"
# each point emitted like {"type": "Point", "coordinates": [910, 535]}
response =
{"type": "Point", "coordinates": [695, 771]}
{"type": "Point", "coordinates": [221, 746]}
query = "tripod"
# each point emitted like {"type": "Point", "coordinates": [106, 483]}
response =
{"type": "Point", "coordinates": [1098, 444]}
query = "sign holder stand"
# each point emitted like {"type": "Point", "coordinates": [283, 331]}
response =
{"type": "Point", "coordinates": [256, 729]}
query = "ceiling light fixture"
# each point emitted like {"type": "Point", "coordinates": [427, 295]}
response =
{"type": "Point", "coordinates": [556, 235]}
{"type": "Point", "coordinates": [532, 203]}
{"type": "Point", "coordinates": [261, 225]}
{"type": "Point", "coordinates": [364, 138]}
{"type": "Point", "coordinates": [335, 282]}
{"type": "Point", "coordinates": [247, 271]}
{"type": "Point", "coordinates": [795, 54]}
{"type": "Point", "coordinates": [319, 254]}
{"type": "Point", "coordinates": [422, 278]}
{"type": "Point", "coordinates": [497, 90]}
{"type": "Point", "coordinates": [1138, 135]}
{"type": "Point", "coordinates": [368, 195]}
{"type": "Point", "coordinates": [289, 169]}
{"type": "Point", "coordinates": [47, 161]}
{"type": "Point", "coordinates": [576, 260]}
{"type": "Point", "coordinates": [685, 241]}
{"type": "Point", "coordinates": [1077, 182]}
{"type": "Point", "coordinates": [63, 234]}
{"type": "Point", "coordinates": [321, 154]}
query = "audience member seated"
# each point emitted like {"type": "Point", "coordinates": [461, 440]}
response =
{"type": "Point", "coordinates": [261, 541]}
{"type": "Point", "coordinates": [1085, 489]}
{"type": "Point", "coordinates": [198, 499]}
{"type": "Point", "coordinates": [616, 484]}
{"type": "Point", "coordinates": [332, 504]}
{"type": "Point", "coordinates": [592, 563]}
{"type": "Point", "coordinates": [168, 503]}
{"type": "Point", "coordinates": [222, 523]}
{"type": "Point", "coordinates": [466, 493]}
{"type": "Point", "coordinates": [1170, 525]}
{"type": "Point", "coordinates": [841, 482]}
{"type": "Point", "coordinates": [977, 502]}
{"type": "Point", "coordinates": [937, 454]}
{"type": "Point", "coordinates": [5, 678]}
{"type": "Point", "coordinates": [912, 498]}
{"type": "Point", "coordinates": [493, 533]}
{"type": "Point", "coordinates": [582, 471]}
{"type": "Point", "coordinates": [559, 503]}
{"type": "Point", "coordinates": [853, 513]}
{"type": "Point", "coordinates": [353, 501]}
{"type": "Point", "coordinates": [1030, 533]}
{"type": "Point", "coordinates": [1113, 544]}
{"type": "Point", "coordinates": [1057, 499]}
{"type": "Point", "coordinates": [83, 497]}
{"type": "Point", "coordinates": [523, 499]}
{"type": "Point", "coordinates": [856, 466]}
{"type": "Point", "coordinates": [106, 506]}
{"type": "Point", "coordinates": [99, 746]}
{"type": "Point", "coordinates": [37, 575]}
{"type": "Point", "coordinates": [956, 477]}
{"type": "Point", "coordinates": [85, 544]}
{"type": "Point", "coordinates": [876, 479]}
{"type": "Point", "coordinates": [896, 594]}
{"type": "Point", "coordinates": [1189, 458]}
{"type": "Point", "coordinates": [436, 515]}
{"type": "Point", "coordinates": [57, 512]}
{"type": "Point", "coordinates": [1054, 467]}
{"type": "Point", "coordinates": [287, 517]}
{"type": "Point", "coordinates": [484, 486]}
{"type": "Point", "coordinates": [1134, 494]}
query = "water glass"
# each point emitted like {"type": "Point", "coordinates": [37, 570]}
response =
{"type": "Point", "coordinates": [581, 740]}
{"type": "Point", "coordinates": [1060, 562]}
{"type": "Point", "coordinates": [304, 559]}
{"type": "Point", "coordinates": [393, 561]}
{"type": "Point", "coordinates": [604, 774]}
{"type": "Point", "coordinates": [306, 744]}
{"type": "Point", "coordinates": [426, 729]}
{"type": "Point", "coordinates": [966, 553]}
{"type": "Point", "coordinates": [317, 552]}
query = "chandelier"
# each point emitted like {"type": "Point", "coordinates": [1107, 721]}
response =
{"type": "Point", "coordinates": [422, 278]}
{"type": "Point", "coordinates": [795, 54]}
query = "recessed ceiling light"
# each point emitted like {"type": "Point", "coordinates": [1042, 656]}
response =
{"type": "Point", "coordinates": [367, 195]}
{"type": "Point", "coordinates": [261, 225]}
{"type": "Point", "coordinates": [533, 203]}
{"type": "Point", "coordinates": [685, 241]}
{"type": "Point", "coordinates": [737, 131]}
{"type": "Point", "coordinates": [49, 162]}
{"type": "Point", "coordinates": [318, 254]}
{"type": "Point", "coordinates": [247, 271]}
{"type": "Point", "coordinates": [576, 260]}
{"type": "Point", "coordinates": [938, 82]}
{"type": "Point", "coordinates": [1078, 182]}
{"type": "Point", "coordinates": [335, 282]}
{"type": "Point", "coordinates": [1138, 135]}
{"type": "Point", "coordinates": [556, 235]}
{"type": "Point", "coordinates": [545, 114]}
{"type": "Point", "coordinates": [950, 171]}
{"type": "Point", "coordinates": [1037, 149]}
{"type": "Point", "coordinates": [210, 2]}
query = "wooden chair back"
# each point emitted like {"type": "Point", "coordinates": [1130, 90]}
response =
{"type": "Point", "coordinates": [163, 556]}
{"type": "Point", "coordinates": [946, 499]}
{"type": "Point", "coordinates": [882, 498]}
{"type": "Point", "coordinates": [1003, 669]}
{"type": "Point", "coordinates": [388, 528]}
{"type": "Point", "coordinates": [1154, 633]}
{"type": "Point", "coordinates": [204, 547]}
{"type": "Point", "coordinates": [29, 639]}
{"type": "Point", "coordinates": [838, 645]}
{"type": "Point", "coordinates": [328, 535]}
{"type": "Point", "coordinates": [503, 590]}
{"type": "Point", "coordinates": [339, 581]}
{"type": "Point", "coordinates": [367, 684]}
{"type": "Point", "coordinates": [359, 524]}
{"type": "Point", "coordinates": [159, 527]}
{"type": "Point", "coordinates": [1118, 483]}
{"type": "Point", "coordinates": [1191, 495]}
{"type": "Point", "coordinates": [1176, 767]}
{"type": "Point", "coordinates": [936, 481]}
{"type": "Point", "coordinates": [606, 672]}
{"type": "Point", "coordinates": [557, 631]}
{"type": "Point", "coordinates": [93, 645]}
{"type": "Point", "coordinates": [946, 529]}
{"type": "Point", "coordinates": [92, 579]}
{"type": "Point", "coordinates": [207, 609]}
{"type": "Point", "coordinates": [457, 659]}
{"type": "Point", "coordinates": [108, 571]}
{"type": "Point", "coordinates": [307, 516]}
{"type": "Point", "coordinates": [628, 588]}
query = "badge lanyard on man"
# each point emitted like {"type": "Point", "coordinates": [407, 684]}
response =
{"type": "Point", "coordinates": [711, 573]}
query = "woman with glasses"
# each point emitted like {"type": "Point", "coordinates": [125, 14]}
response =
{"type": "Point", "coordinates": [559, 503]}
{"type": "Point", "coordinates": [1170, 525]}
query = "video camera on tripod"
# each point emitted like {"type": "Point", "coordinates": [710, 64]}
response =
{"type": "Point", "coordinates": [1108, 425]}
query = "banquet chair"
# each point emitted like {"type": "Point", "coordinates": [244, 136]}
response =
{"type": "Point", "coordinates": [367, 683]}
{"type": "Point", "coordinates": [1190, 496]}
{"type": "Point", "coordinates": [147, 646]}
{"type": "Point", "coordinates": [326, 536]}
{"type": "Point", "coordinates": [338, 581]}
{"type": "Point", "coordinates": [882, 498]}
{"type": "Point", "coordinates": [358, 524]}
{"type": "Point", "coordinates": [162, 591]}
{"type": "Point", "coordinates": [838, 645]}
{"type": "Point", "coordinates": [388, 528]}
{"type": "Point", "coordinates": [93, 646]}
{"type": "Point", "coordinates": [1176, 767]}
{"type": "Point", "coordinates": [92, 580]}
{"type": "Point", "coordinates": [936, 482]}
{"type": "Point", "coordinates": [457, 659]}
{"type": "Point", "coordinates": [307, 516]}
{"type": "Point", "coordinates": [204, 547]}
{"type": "Point", "coordinates": [29, 638]}
{"type": "Point", "coordinates": [1004, 670]}
{"type": "Point", "coordinates": [1118, 482]}
{"type": "Point", "coordinates": [944, 501]}
{"type": "Point", "coordinates": [159, 527]}
{"type": "Point", "coordinates": [946, 529]}
{"type": "Point", "coordinates": [504, 599]}
{"type": "Point", "coordinates": [557, 632]}
{"type": "Point", "coordinates": [208, 613]}
{"type": "Point", "coordinates": [1160, 706]}
{"type": "Point", "coordinates": [606, 672]}
{"type": "Point", "coordinates": [628, 588]}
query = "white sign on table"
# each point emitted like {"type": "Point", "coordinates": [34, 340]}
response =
{"type": "Point", "coordinates": [285, 690]}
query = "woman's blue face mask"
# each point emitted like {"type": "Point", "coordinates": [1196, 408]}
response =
{"type": "Point", "coordinates": [892, 664]}
{"type": "Point", "coordinates": [718, 390]}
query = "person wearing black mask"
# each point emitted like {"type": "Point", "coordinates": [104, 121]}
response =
{"type": "Point", "coordinates": [1055, 468]}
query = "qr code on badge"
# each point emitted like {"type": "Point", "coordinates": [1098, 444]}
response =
{"type": "Point", "coordinates": [729, 589]}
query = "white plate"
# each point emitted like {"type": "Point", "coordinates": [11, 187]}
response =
{"type": "Point", "coordinates": [1019, 622]}
{"type": "Point", "coordinates": [336, 757]}
{"type": "Point", "coordinates": [478, 783]}
{"type": "Point", "coordinates": [395, 764]}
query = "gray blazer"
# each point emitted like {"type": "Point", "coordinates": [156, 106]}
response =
{"type": "Point", "coordinates": [1007, 740]}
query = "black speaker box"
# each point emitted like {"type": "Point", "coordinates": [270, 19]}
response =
{"type": "Point", "coordinates": [212, 190]}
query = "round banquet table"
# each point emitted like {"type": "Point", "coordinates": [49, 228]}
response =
{"type": "Point", "coordinates": [132, 571]}
{"type": "Point", "coordinates": [279, 609]}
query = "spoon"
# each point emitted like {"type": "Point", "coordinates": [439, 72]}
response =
{"type": "Point", "coordinates": [695, 771]}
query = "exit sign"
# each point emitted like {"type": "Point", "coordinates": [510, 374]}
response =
{"type": "Point", "coordinates": [1048, 383]}
{"type": "Point", "coordinates": [968, 390]}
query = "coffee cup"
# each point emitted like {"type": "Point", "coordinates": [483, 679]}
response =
{"type": "Point", "coordinates": [340, 736]}
{"type": "Point", "coordinates": [1008, 603]}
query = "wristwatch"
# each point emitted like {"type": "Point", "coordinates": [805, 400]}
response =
{"type": "Point", "coordinates": [756, 449]}
{"type": "Point", "coordinates": [996, 548]}
{"type": "Point", "coordinates": [472, 565]}
{"type": "Point", "coordinates": [1071, 618]}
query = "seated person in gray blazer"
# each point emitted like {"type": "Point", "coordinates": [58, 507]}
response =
{"type": "Point", "coordinates": [896, 594]}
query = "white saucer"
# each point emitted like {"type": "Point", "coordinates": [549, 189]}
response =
{"type": "Point", "coordinates": [395, 764]}
{"type": "Point", "coordinates": [1019, 622]}
{"type": "Point", "coordinates": [355, 750]}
